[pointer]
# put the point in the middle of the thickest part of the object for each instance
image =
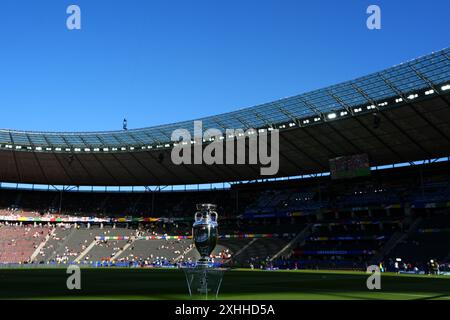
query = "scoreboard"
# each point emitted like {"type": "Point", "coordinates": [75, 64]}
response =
{"type": "Point", "coordinates": [348, 167]}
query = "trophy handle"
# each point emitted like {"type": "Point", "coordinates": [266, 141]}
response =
{"type": "Point", "coordinates": [198, 217]}
{"type": "Point", "coordinates": [214, 216]}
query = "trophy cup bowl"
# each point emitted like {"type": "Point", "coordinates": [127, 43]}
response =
{"type": "Point", "coordinates": [205, 231]}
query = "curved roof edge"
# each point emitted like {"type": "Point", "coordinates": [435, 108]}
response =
{"type": "Point", "coordinates": [429, 71]}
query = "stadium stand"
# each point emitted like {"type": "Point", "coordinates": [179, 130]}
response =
{"type": "Point", "coordinates": [17, 243]}
{"type": "Point", "coordinates": [314, 216]}
{"type": "Point", "coordinates": [348, 229]}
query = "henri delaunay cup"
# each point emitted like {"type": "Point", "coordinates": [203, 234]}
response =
{"type": "Point", "coordinates": [205, 278]}
{"type": "Point", "coordinates": [205, 232]}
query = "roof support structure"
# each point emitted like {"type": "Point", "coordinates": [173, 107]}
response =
{"type": "Point", "coordinates": [102, 164]}
{"type": "Point", "coordinates": [145, 168]}
{"type": "Point", "coordinates": [170, 172]}
{"type": "Point", "coordinates": [192, 172]}
{"type": "Point", "coordinates": [424, 78]}
{"type": "Point", "coordinates": [16, 165]}
{"type": "Point", "coordinates": [57, 160]}
{"type": "Point", "coordinates": [134, 157]}
{"type": "Point", "coordinates": [285, 158]}
{"type": "Point", "coordinates": [387, 146]}
{"type": "Point", "coordinates": [412, 106]}
{"type": "Point", "coordinates": [91, 177]}
{"type": "Point", "coordinates": [305, 130]}
{"type": "Point", "coordinates": [324, 146]}
{"type": "Point", "coordinates": [329, 123]}
{"type": "Point", "coordinates": [393, 123]}
{"type": "Point", "coordinates": [306, 155]}
{"type": "Point", "coordinates": [247, 150]}
{"type": "Point", "coordinates": [340, 134]}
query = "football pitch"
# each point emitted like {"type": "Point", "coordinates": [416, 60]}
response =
{"type": "Point", "coordinates": [239, 284]}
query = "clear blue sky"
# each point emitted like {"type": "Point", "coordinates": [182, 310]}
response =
{"type": "Point", "coordinates": [161, 61]}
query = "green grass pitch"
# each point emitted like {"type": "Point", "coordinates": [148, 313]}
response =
{"type": "Point", "coordinates": [118, 283]}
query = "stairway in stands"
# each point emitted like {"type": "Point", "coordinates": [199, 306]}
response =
{"type": "Point", "coordinates": [395, 240]}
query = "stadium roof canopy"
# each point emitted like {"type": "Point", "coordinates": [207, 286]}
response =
{"type": "Point", "coordinates": [411, 101]}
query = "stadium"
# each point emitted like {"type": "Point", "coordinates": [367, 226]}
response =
{"type": "Point", "coordinates": [363, 180]}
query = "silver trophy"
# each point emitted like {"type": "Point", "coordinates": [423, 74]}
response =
{"type": "Point", "coordinates": [204, 279]}
{"type": "Point", "coordinates": [205, 232]}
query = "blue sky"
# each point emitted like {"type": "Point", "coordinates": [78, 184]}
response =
{"type": "Point", "coordinates": [161, 61]}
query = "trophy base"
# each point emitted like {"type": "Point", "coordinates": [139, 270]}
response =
{"type": "Point", "coordinates": [203, 281]}
{"type": "Point", "coordinates": [204, 263]}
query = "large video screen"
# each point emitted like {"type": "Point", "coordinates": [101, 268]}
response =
{"type": "Point", "coordinates": [348, 167]}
